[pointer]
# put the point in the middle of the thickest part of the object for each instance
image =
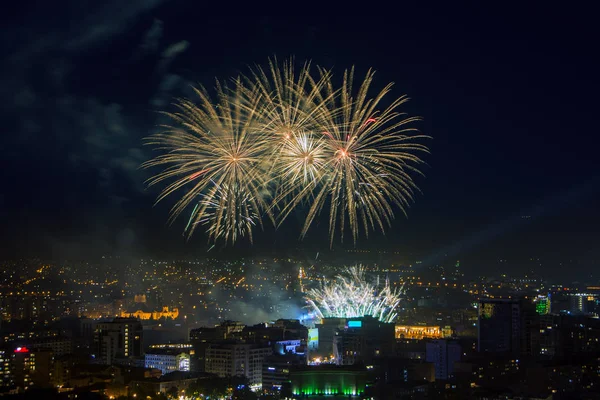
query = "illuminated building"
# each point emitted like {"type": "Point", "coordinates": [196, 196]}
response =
{"type": "Point", "coordinates": [542, 304]}
{"type": "Point", "coordinates": [292, 346]}
{"type": "Point", "coordinates": [443, 354]}
{"type": "Point", "coordinates": [583, 303]}
{"type": "Point", "coordinates": [577, 304]}
{"type": "Point", "coordinates": [313, 339]}
{"type": "Point", "coordinates": [418, 332]}
{"type": "Point", "coordinates": [121, 338]}
{"type": "Point", "coordinates": [167, 360]}
{"type": "Point", "coordinates": [187, 347]}
{"type": "Point", "coordinates": [363, 339]}
{"type": "Point", "coordinates": [6, 378]}
{"type": "Point", "coordinates": [139, 298]}
{"type": "Point", "coordinates": [144, 314]}
{"type": "Point", "coordinates": [326, 380]}
{"type": "Point", "coordinates": [232, 359]}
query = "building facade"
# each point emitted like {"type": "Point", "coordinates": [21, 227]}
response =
{"type": "Point", "coordinates": [32, 367]}
{"type": "Point", "coordinates": [6, 378]}
{"type": "Point", "coordinates": [167, 361]}
{"type": "Point", "coordinates": [363, 339]}
{"type": "Point", "coordinates": [499, 328]}
{"type": "Point", "coordinates": [121, 338]}
{"type": "Point", "coordinates": [443, 354]}
{"type": "Point", "coordinates": [233, 359]}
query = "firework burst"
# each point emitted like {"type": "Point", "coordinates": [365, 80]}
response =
{"type": "Point", "coordinates": [371, 154]}
{"type": "Point", "coordinates": [281, 139]}
{"type": "Point", "coordinates": [214, 152]}
{"type": "Point", "coordinates": [352, 295]}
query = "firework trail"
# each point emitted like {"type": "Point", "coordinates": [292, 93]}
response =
{"type": "Point", "coordinates": [352, 295]}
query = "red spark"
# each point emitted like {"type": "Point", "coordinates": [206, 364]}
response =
{"type": "Point", "coordinates": [196, 174]}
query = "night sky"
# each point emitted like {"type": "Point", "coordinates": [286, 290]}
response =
{"type": "Point", "coordinates": [509, 96]}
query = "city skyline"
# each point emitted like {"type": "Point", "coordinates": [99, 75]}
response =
{"type": "Point", "coordinates": [192, 203]}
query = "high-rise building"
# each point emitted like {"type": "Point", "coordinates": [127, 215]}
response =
{"type": "Point", "coordinates": [119, 339]}
{"type": "Point", "coordinates": [508, 326]}
{"type": "Point", "coordinates": [577, 304]}
{"type": "Point", "coordinates": [549, 335]}
{"type": "Point", "coordinates": [6, 378]}
{"type": "Point", "coordinates": [443, 354]}
{"type": "Point", "coordinates": [32, 367]}
{"type": "Point", "coordinates": [543, 304]}
{"type": "Point", "coordinates": [530, 330]}
{"type": "Point", "coordinates": [233, 359]}
{"type": "Point", "coordinates": [583, 303]}
{"type": "Point", "coordinates": [363, 339]}
{"type": "Point", "coordinates": [499, 328]}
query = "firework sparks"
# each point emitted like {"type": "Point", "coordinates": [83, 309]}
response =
{"type": "Point", "coordinates": [227, 212]}
{"type": "Point", "coordinates": [289, 97]}
{"type": "Point", "coordinates": [352, 295]}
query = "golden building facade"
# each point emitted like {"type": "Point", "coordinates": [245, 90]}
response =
{"type": "Point", "coordinates": [145, 315]}
{"type": "Point", "coordinates": [422, 332]}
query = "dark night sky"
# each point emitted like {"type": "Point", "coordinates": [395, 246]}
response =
{"type": "Point", "coordinates": [510, 97]}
